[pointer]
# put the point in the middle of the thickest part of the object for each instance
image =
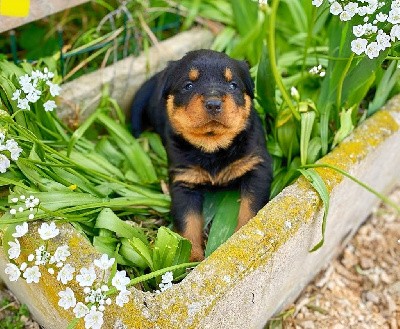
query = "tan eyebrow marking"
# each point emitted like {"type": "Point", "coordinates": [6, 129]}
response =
{"type": "Point", "coordinates": [194, 74]}
{"type": "Point", "coordinates": [228, 74]}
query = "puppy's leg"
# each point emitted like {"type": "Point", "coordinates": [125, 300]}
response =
{"type": "Point", "coordinates": [186, 209]}
{"type": "Point", "coordinates": [254, 193]}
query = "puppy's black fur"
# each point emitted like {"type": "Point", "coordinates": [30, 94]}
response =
{"type": "Point", "coordinates": [201, 105]}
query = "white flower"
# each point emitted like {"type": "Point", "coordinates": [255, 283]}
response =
{"type": "Point", "coordinates": [94, 319]}
{"type": "Point", "coordinates": [95, 296]}
{"type": "Point", "coordinates": [28, 88]}
{"type": "Point", "coordinates": [122, 298]}
{"type": "Point", "coordinates": [49, 106]}
{"type": "Point", "coordinates": [23, 104]}
{"type": "Point", "coordinates": [23, 266]}
{"type": "Point", "coordinates": [167, 277]}
{"type": "Point", "coordinates": [359, 30]}
{"type": "Point", "coordinates": [381, 17]}
{"type": "Point", "coordinates": [36, 74]}
{"type": "Point", "coordinates": [359, 45]}
{"type": "Point", "coordinates": [42, 256]}
{"type": "Point", "coordinates": [317, 3]}
{"type": "Point", "coordinates": [395, 33]}
{"type": "Point", "coordinates": [4, 163]}
{"type": "Point", "coordinates": [54, 88]}
{"type": "Point", "coordinates": [345, 16]}
{"type": "Point", "coordinates": [61, 254]}
{"type": "Point", "coordinates": [33, 97]}
{"type": "Point", "coordinates": [15, 249]}
{"type": "Point", "coordinates": [20, 230]}
{"type": "Point", "coordinates": [120, 280]}
{"type": "Point", "coordinates": [295, 93]}
{"type": "Point", "coordinates": [336, 8]}
{"type": "Point", "coordinates": [31, 202]}
{"type": "Point", "coordinates": [13, 147]}
{"type": "Point", "coordinates": [166, 281]}
{"type": "Point", "coordinates": [13, 272]}
{"type": "Point", "coordinates": [86, 276]}
{"type": "Point", "coordinates": [66, 274]}
{"type": "Point", "coordinates": [103, 262]}
{"type": "Point", "coordinates": [24, 79]}
{"type": "Point", "coordinates": [80, 310]}
{"type": "Point", "coordinates": [67, 299]}
{"type": "Point", "coordinates": [383, 40]}
{"type": "Point", "coordinates": [351, 8]}
{"type": "Point", "coordinates": [32, 274]}
{"type": "Point", "coordinates": [47, 231]}
{"type": "Point", "coordinates": [16, 95]}
{"type": "Point", "coordinates": [394, 16]}
{"type": "Point", "coordinates": [372, 50]}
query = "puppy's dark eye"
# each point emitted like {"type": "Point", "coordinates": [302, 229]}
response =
{"type": "Point", "coordinates": [188, 86]}
{"type": "Point", "coordinates": [233, 85]}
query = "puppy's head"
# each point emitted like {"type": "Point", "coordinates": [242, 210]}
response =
{"type": "Point", "coordinates": [209, 98]}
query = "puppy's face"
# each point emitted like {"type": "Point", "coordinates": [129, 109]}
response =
{"type": "Point", "coordinates": [209, 98]}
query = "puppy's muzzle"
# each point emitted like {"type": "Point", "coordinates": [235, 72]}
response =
{"type": "Point", "coordinates": [213, 106]}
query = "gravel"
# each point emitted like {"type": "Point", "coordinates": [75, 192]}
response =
{"type": "Point", "coordinates": [361, 288]}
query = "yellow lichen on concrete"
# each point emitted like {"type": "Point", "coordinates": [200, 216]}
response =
{"type": "Point", "coordinates": [277, 222]}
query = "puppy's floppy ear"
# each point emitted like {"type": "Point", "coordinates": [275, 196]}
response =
{"type": "Point", "coordinates": [246, 78]}
{"type": "Point", "coordinates": [168, 78]}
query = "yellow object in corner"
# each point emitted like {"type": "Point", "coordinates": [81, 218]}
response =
{"type": "Point", "coordinates": [16, 8]}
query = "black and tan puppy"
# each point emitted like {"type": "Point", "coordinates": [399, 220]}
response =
{"type": "Point", "coordinates": [201, 105]}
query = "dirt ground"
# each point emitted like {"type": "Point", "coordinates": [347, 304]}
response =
{"type": "Point", "coordinates": [360, 289]}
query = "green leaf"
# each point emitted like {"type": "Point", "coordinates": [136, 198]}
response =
{"type": "Point", "coordinates": [265, 84]}
{"type": "Point", "coordinates": [346, 126]}
{"type": "Point", "coordinates": [78, 133]}
{"type": "Point", "coordinates": [314, 150]}
{"type": "Point", "coordinates": [137, 252]}
{"type": "Point", "coordinates": [319, 185]}
{"type": "Point", "coordinates": [107, 219]}
{"type": "Point", "coordinates": [307, 122]}
{"type": "Point", "coordinates": [170, 249]}
{"type": "Point", "coordinates": [136, 156]}
{"type": "Point", "coordinates": [222, 208]}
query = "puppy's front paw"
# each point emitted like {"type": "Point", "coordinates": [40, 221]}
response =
{"type": "Point", "coordinates": [197, 254]}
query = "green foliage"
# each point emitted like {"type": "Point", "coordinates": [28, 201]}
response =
{"type": "Point", "coordinates": [13, 316]}
{"type": "Point", "coordinates": [109, 190]}
{"type": "Point", "coordinates": [221, 208]}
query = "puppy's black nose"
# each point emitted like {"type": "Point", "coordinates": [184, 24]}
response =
{"type": "Point", "coordinates": [213, 106]}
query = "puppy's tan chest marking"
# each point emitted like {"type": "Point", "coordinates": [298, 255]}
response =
{"type": "Point", "coordinates": [195, 175]}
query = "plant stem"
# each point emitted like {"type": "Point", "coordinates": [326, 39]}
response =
{"type": "Point", "coordinates": [272, 58]}
{"type": "Point", "coordinates": [154, 274]}
{"type": "Point", "coordinates": [384, 198]}
{"type": "Point", "coordinates": [341, 81]}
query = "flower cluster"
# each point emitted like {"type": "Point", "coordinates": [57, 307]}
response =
{"type": "Point", "coordinates": [318, 70]}
{"type": "Point", "coordinates": [166, 281]}
{"type": "Point", "coordinates": [96, 288]}
{"type": "Point", "coordinates": [95, 291]}
{"type": "Point", "coordinates": [33, 87]}
{"type": "Point", "coordinates": [12, 152]}
{"type": "Point", "coordinates": [381, 23]}
{"type": "Point", "coordinates": [22, 203]}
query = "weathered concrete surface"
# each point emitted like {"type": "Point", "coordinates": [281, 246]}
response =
{"type": "Point", "coordinates": [265, 264]}
{"type": "Point", "coordinates": [80, 96]}
{"type": "Point", "coordinates": [38, 9]}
